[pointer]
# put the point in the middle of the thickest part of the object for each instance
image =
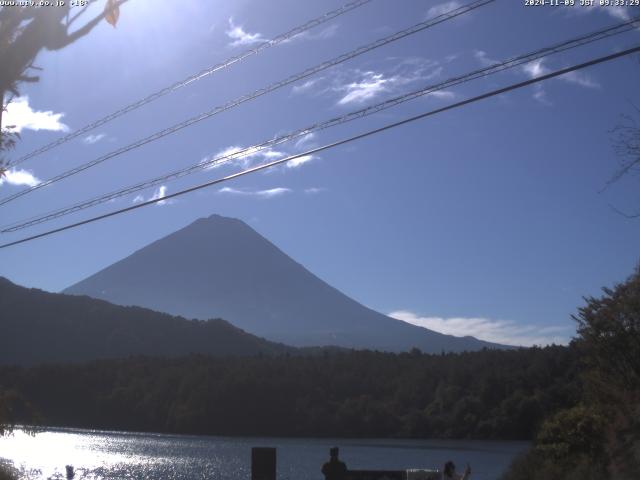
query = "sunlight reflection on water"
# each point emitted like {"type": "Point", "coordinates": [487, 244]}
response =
{"type": "Point", "coordinates": [119, 455]}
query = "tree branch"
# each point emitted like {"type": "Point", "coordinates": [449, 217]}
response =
{"type": "Point", "coordinates": [87, 28]}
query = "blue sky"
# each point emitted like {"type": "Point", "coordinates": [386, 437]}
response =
{"type": "Point", "coordinates": [488, 220]}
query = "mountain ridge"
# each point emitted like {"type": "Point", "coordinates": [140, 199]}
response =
{"type": "Point", "coordinates": [43, 327]}
{"type": "Point", "coordinates": [219, 266]}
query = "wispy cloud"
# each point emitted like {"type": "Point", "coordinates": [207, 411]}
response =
{"type": "Point", "coordinates": [443, 8]}
{"type": "Point", "coordinates": [19, 177]}
{"type": "Point", "coordinates": [306, 86]}
{"type": "Point", "coordinates": [91, 139]}
{"type": "Point", "coordinates": [21, 115]}
{"type": "Point", "coordinates": [160, 192]}
{"type": "Point", "coordinates": [371, 85]}
{"type": "Point", "coordinates": [579, 79]}
{"type": "Point", "coordinates": [327, 32]}
{"type": "Point", "coordinates": [537, 69]}
{"type": "Point", "coordinates": [314, 190]}
{"type": "Point", "coordinates": [540, 95]}
{"type": "Point", "coordinates": [297, 162]}
{"type": "Point", "coordinates": [483, 58]}
{"type": "Point", "coordinates": [498, 331]}
{"type": "Point", "coordinates": [240, 37]}
{"type": "Point", "coordinates": [356, 86]}
{"type": "Point", "coordinates": [249, 156]}
{"type": "Point", "coordinates": [265, 194]}
{"type": "Point", "coordinates": [306, 141]}
{"type": "Point", "coordinates": [244, 156]}
{"type": "Point", "coordinates": [444, 94]}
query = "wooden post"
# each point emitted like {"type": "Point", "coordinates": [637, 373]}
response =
{"type": "Point", "coordinates": [263, 463]}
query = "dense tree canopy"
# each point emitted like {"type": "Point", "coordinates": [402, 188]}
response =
{"type": "Point", "coordinates": [600, 436]}
{"type": "Point", "coordinates": [487, 394]}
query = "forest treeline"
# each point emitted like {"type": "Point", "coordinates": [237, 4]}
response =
{"type": "Point", "coordinates": [489, 394]}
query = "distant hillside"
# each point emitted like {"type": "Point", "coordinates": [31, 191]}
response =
{"type": "Point", "coordinates": [221, 267]}
{"type": "Point", "coordinates": [38, 327]}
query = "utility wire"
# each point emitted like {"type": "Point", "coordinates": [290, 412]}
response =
{"type": "Point", "coordinates": [257, 93]}
{"type": "Point", "coordinates": [195, 77]}
{"type": "Point", "coordinates": [221, 159]}
{"type": "Point", "coordinates": [312, 151]}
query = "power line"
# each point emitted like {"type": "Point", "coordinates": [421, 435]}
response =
{"type": "Point", "coordinates": [195, 77]}
{"type": "Point", "coordinates": [257, 93]}
{"type": "Point", "coordinates": [369, 133]}
{"type": "Point", "coordinates": [476, 74]}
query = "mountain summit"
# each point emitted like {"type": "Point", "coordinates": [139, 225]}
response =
{"type": "Point", "coordinates": [219, 267]}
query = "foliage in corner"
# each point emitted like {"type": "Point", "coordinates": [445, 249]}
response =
{"type": "Point", "coordinates": [600, 437]}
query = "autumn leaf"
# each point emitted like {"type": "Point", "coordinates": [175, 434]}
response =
{"type": "Point", "coordinates": [112, 12]}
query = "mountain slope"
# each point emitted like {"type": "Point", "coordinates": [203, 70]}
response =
{"type": "Point", "coordinates": [221, 267]}
{"type": "Point", "coordinates": [38, 327]}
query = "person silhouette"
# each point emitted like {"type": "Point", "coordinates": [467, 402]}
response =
{"type": "Point", "coordinates": [449, 472]}
{"type": "Point", "coordinates": [334, 469]}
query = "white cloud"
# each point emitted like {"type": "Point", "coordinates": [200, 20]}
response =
{"type": "Point", "coordinates": [306, 141]}
{"type": "Point", "coordinates": [443, 8]}
{"type": "Point", "coordinates": [371, 85]}
{"type": "Point", "coordinates": [327, 32]}
{"type": "Point", "coordinates": [497, 331]}
{"type": "Point", "coordinates": [579, 79]}
{"type": "Point", "coordinates": [444, 94]}
{"type": "Point", "coordinates": [91, 139]}
{"type": "Point", "coordinates": [297, 162]}
{"type": "Point", "coordinates": [540, 95]}
{"type": "Point", "coordinates": [314, 190]}
{"type": "Point", "coordinates": [269, 193]}
{"type": "Point", "coordinates": [160, 192]}
{"type": "Point", "coordinates": [536, 68]}
{"type": "Point", "coordinates": [451, 57]}
{"type": "Point", "coordinates": [357, 86]}
{"type": "Point", "coordinates": [484, 59]}
{"type": "Point", "coordinates": [20, 115]}
{"type": "Point", "coordinates": [19, 177]}
{"type": "Point", "coordinates": [245, 156]}
{"type": "Point", "coordinates": [297, 89]}
{"type": "Point", "coordinates": [240, 37]}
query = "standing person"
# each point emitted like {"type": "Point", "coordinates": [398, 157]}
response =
{"type": "Point", "coordinates": [334, 469]}
{"type": "Point", "coordinates": [449, 472]}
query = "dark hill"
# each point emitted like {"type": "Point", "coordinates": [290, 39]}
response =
{"type": "Point", "coordinates": [38, 327]}
{"type": "Point", "coordinates": [221, 267]}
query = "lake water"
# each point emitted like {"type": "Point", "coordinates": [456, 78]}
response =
{"type": "Point", "coordinates": [120, 455]}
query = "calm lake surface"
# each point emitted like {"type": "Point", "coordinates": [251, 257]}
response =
{"type": "Point", "coordinates": [111, 455]}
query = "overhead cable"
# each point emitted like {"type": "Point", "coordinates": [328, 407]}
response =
{"type": "Point", "coordinates": [354, 115]}
{"type": "Point", "coordinates": [195, 77]}
{"type": "Point", "coordinates": [313, 151]}
{"type": "Point", "coordinates": [455, 12]}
